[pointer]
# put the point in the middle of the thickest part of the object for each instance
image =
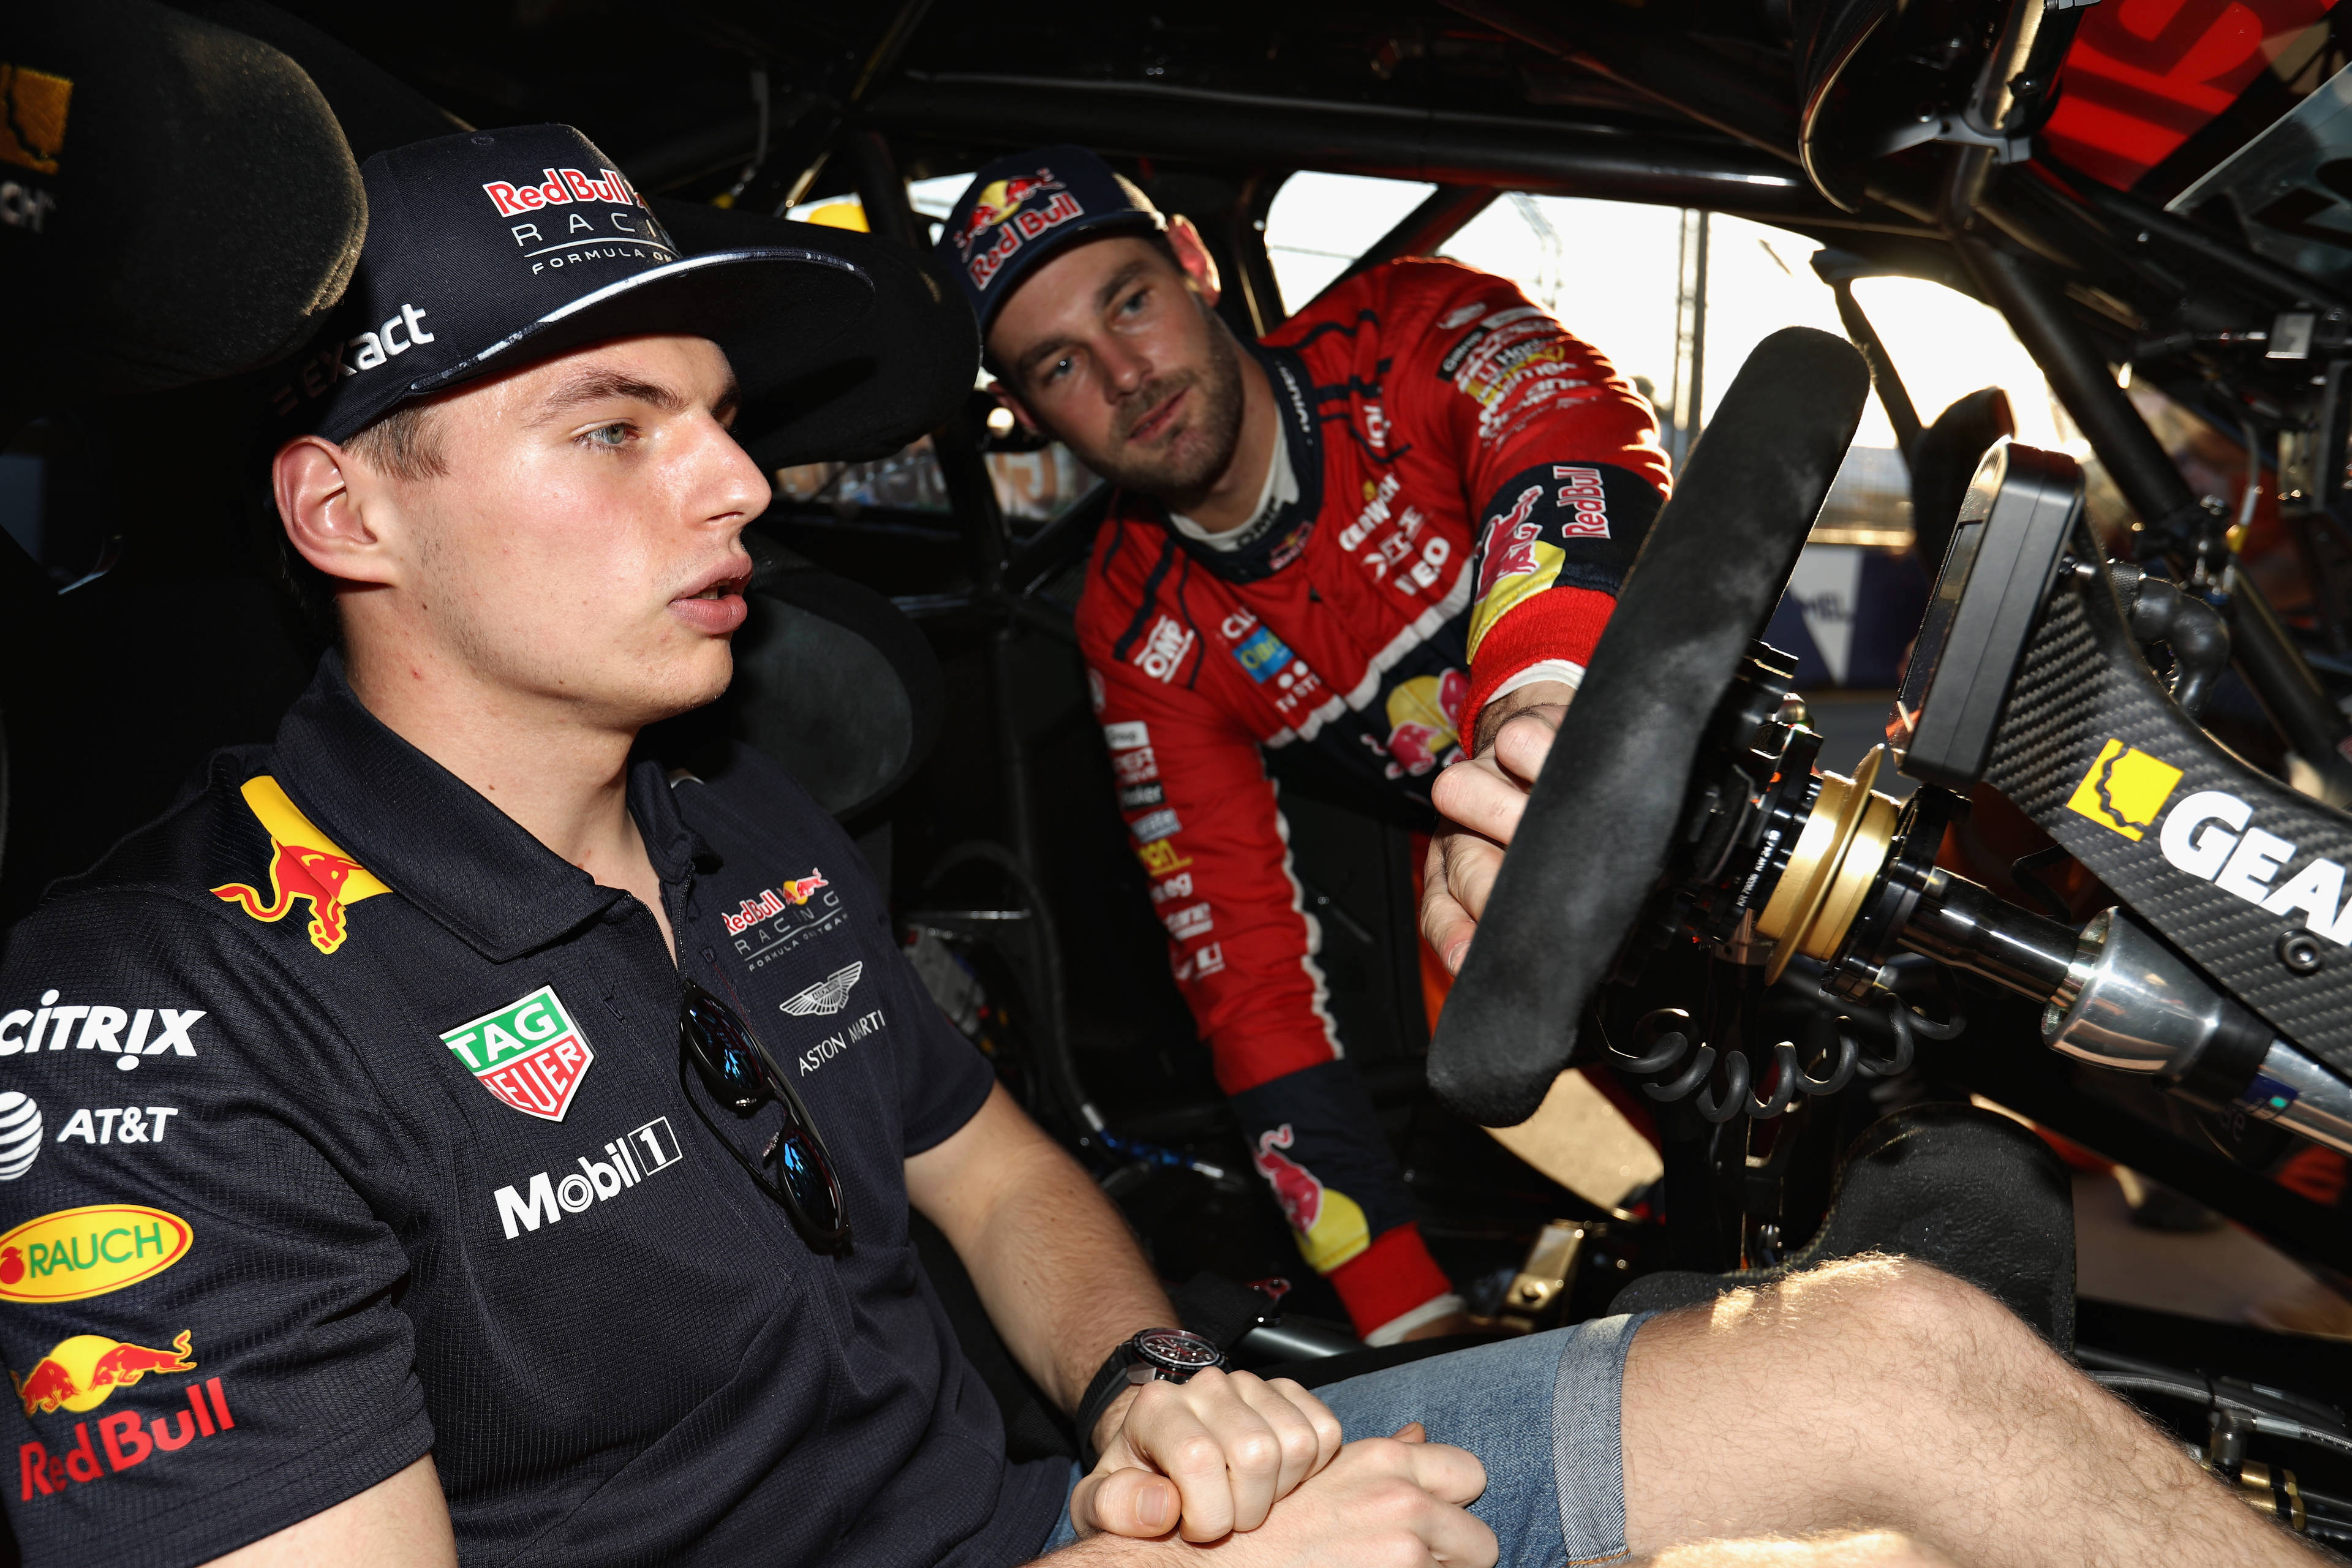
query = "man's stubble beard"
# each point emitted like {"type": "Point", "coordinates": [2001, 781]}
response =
{"type": "Point", "coordinates": [1182, 475]}
{"type": "Point", "coordinates": [616, 688]}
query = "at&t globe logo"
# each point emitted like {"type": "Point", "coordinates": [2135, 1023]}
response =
{"type": "Point", "coordinates": [20, 1134]}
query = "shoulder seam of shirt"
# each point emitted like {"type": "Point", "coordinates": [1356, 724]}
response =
{"type": "Point", "coordinates": [1145, 600]}
{"type": "Point", "coordinates": [1364, 314]}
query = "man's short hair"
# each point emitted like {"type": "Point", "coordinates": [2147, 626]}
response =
{"type": "Point", "coordinates": [405, 444]}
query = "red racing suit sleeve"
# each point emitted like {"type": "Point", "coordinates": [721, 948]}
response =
{"type": "Point", "coordinates": [1203, 818]}
{"type": "Point", "coordinates": [1556, 452]}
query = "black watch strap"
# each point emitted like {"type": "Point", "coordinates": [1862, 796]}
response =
{"type": "Point", "coordinates": [1107, 1386]}
{"type": "Point", "coordinates": [1170, 1354]}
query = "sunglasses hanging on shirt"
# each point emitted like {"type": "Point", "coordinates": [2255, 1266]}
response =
{"type": "Point", "coordinates": [740, 1074]}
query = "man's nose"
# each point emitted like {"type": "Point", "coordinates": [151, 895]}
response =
{"type": "Point", "coordinates": [1124, 369]}
{"type": "Point", "coordinates": [733, 488]}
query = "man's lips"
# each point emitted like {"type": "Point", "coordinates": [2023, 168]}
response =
{"type": "Point", "coordinates": [716, 606]}
{"type": "Point", "coordinates": [1157, 422]}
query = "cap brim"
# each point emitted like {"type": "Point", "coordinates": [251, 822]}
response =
{"type": "Point", "coordinates": [774, 310]}
{"type": "Point", "coordinates": [900, 372]}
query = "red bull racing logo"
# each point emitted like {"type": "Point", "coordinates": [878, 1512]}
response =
{"type": "Point", "coordinates": [126, 1438]}
{"type": "Point", "coordinates": [1007, 214]}
{"type": "Point", "coordinates": [80, 1373]}
{"type": "Point", "coordinates": [789, 893]}
{"type": "Point", "coordinates": [304, 864]}
{"type": "Point", "coordinates": [560, 185]}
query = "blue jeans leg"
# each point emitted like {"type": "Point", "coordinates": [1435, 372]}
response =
{"type": "Point", "coordinates": [1541, 1413]}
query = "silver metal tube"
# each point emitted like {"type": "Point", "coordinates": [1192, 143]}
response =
{"type": "Point", "coordinates": [2131, 1003]}
{"type": "Point", "coordinates": [2300, 1095]}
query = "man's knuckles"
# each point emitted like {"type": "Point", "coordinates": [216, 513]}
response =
{"type": "Point", "coordinates": [1257, 1453]}
{"type": "Point", "coordinates": [1192, 1457]}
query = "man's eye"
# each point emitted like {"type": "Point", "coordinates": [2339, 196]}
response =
{"type": "Point", "coordinates": [1133, 304]}
{"type": "Point", "coordinates": [1060, 367]}
{"type": "Point", "coordinates": [611, 437]}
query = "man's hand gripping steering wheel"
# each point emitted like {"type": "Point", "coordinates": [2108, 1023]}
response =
{"type": "Point", "coordinates": [1480, 800]}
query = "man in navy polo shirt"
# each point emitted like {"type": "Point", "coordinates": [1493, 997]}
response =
{"type": "Point", "coordinates": [391, 1170]}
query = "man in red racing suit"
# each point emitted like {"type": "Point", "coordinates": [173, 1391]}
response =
{"type": "Point", "coordinates": [1450, 490]}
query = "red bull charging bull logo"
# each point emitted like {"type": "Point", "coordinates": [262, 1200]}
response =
{"type": "Point", "coordinates": [304, 864]}
{"type": "Point", "coordinates": [80, 1373]}
{"type": "Point", "coordinates": [789, 892]}
{"type": "Point", "coordinates": [1329, 1225]}
{"type": "Point", "coordinates": [1007, 214]}
{"type": "Point", "coordinates": [529, 1053]}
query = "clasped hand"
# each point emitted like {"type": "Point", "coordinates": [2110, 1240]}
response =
{"type": "Point", "coordinates": [1213, 1456]}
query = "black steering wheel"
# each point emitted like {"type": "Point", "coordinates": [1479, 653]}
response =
{"type": "Point", "coordinates": [1597, 826]}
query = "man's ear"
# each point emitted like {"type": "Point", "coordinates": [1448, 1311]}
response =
{"type": "Point", "coordinates": [1014, 405]}
{"type": "Point", "coordinates": [325, 521]}
{"type": "Point", "coordinates": [1192, 255]}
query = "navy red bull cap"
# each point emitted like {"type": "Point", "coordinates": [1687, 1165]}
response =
{"type": "Point", "coordinates": [1019, 210]}
{"type": "Point", "coordinates": [490, 249]}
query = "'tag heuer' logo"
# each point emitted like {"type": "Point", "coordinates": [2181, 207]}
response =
{"type": "Point", "coordinates": [560, 186]}
{"type": "Point", "coordinates": [77, 1253]}
{"type": "Point", "coordinates": [529, 1053]}
{"type": "Point", "coordinates": [2209, 835]}
{"type": "Point", "coordinates": [304, 863]}
{"type": "Point", "coordinates": [79, 1374]}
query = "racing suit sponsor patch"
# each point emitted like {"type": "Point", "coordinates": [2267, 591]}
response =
{"type": "Point", "coordinates": [1155, 826]}
{"type": "Point", "coordinates": [1557, 525]}
{"type": "Point", "coordinates": [1164, 648]}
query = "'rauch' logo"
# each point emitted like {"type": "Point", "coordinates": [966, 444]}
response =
{"type": "Point", "coordinates": [529, 1053]}
{"type": "Point", "coordinates": [77, 1253]}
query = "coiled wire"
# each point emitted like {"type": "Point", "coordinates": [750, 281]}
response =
{"type": "Point", "coordinates": [1671, 1067]}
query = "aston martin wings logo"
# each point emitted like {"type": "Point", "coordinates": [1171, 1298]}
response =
{"type": "Point", "coordinates": [830, 994]}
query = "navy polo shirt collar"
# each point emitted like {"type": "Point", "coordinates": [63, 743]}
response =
{"type": "Point", "coordinates": [437, 842]}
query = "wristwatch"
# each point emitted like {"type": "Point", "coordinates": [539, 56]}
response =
{"type": "Point", "coordinates": [1155, 1355]}
{"type": "Point", "coordinates": [1167, 1356]}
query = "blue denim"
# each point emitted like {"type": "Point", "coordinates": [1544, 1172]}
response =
{"type": "Point", "coordinates": [1539, 1413]}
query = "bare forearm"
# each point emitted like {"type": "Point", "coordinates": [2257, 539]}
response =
{"type": "Point", "coordinates": [1062, 1279]}
{"type": "Point", "coordinates": [401, 1521]}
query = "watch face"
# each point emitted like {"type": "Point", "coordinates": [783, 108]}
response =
{"type": "Point", "coordinates": [1177, 1350]}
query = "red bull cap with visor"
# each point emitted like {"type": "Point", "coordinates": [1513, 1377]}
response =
{"type": "Point", "coordinates": [489, 250]}
{"type": "Point", "coordinates": [1019, 210]}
